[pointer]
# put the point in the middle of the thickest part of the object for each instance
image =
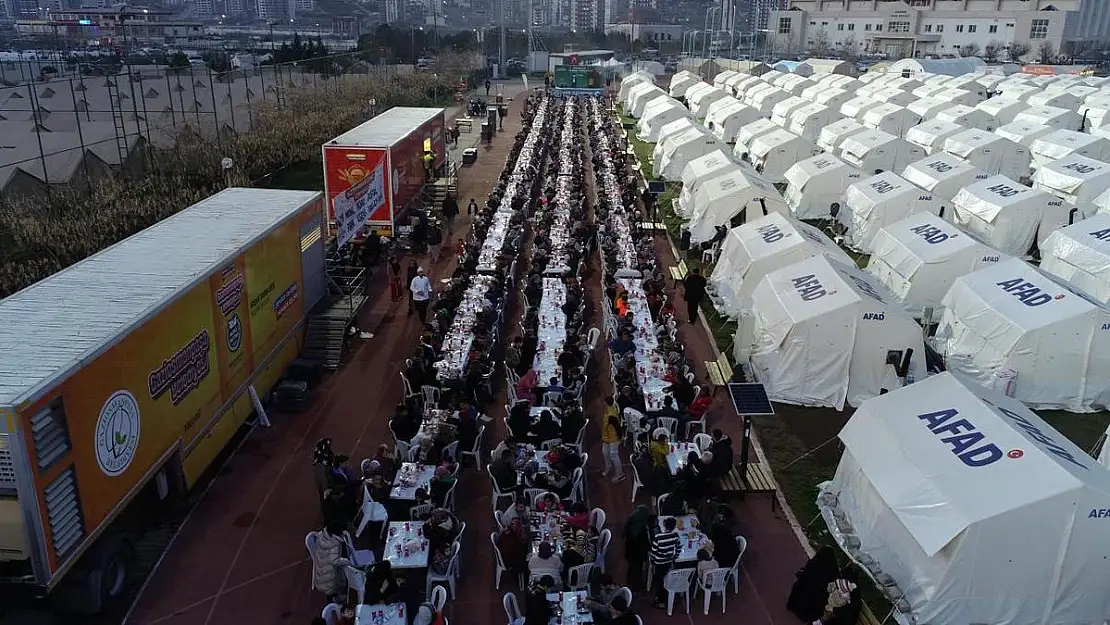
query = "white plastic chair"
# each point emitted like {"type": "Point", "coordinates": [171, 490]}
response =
{"type": "Point", "coordinates": [626, 592]}
{"type": "Point", "coordinates": [671, 425]}
{"type": "Point", "coordinates": [415, 512]}
{"type": "Point", "coordinates": [452, 451]}
{"type": "Point", "coordinates": [431, 395]}
{"type": "Point", "coordinates": [578, 486]}
{"type": "Point", "coordinates": [401, 449]}
{"type": "Point", "coordinates": [550, 444]}
{"type": "Point", "coordinates": [716, 581]}
{"type": "Point", "coordinates": [497, 494]}
{"type": "Point", "coordinates": [439, 598]}
{"type": "Point", "coordinates": [512, 608]}
{"type": "Point", "coordinates": [356, 581]}
{"type": "Point", "coordinates": [452, 574]}
{"type": "Point", "coordinates": [499, 565]}
{"type": "Point", "coordinates": [677, 582]}
{"type": "Point", "coordinates": [637, 484]}
{"type": "Point", "coordinates": [330, 613]}
{"type": "Point", "coordinates": [475, 452]}
{"type": "Point", "coordinates": [532, 495]}
{"type": "Point", "coordinates": [592, 337]}
{"type": "Point", "coordinates": [499, 521]}
{"type": "Point", "coordinates": [659, 502]}
{"type": "Point", "coordinates": [371, 511]}
{"type": "Point", "coordinates": [604, 541]}
{"type": "Point", "coordinates": [540, 495]}
{"type": "Point", "coordinates": [578, 577]}
{"type": "Point", "coordinates": [552, 400]}
{"type": "Point", "coordinates": [661, 430]}
{"type": "Point", "coordinates": [700, 423]}
{"type": "Point", "coordinates": [734, 572]}
{"type": "Point", "coordinates": [597, 519]}
{"type": "Point", "coordinates": [703, 441]}
{"type": "Point", "coordinates": [449, 500]}
{"type": "Point", "coordinates": [310, 544]}
{"type": "Point", "coordinates": [361, 558]}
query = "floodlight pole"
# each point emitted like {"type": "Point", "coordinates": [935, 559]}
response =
{"type": "Point", "coordinates": [745, 448]}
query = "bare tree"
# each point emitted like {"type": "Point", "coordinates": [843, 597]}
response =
{"type": "Point", "coordinates": [821, 44]}
{"type": "Point", "coordinates": [992, 51]}
{"type": "Point", "coordinates": [971, 49]}
{"type": "Point", "coordinates": [1046, 52]}
{"type": "Point", "coordinates": [848, 49]}
{"type": "Point", "coordinates": [1018, 50]}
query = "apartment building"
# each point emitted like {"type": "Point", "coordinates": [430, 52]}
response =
{"type": "Point", "coordinates": [919, 28]}
{"type": "Point", "coordinates": [117, 26]}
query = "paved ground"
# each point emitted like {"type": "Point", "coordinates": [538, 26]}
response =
{"type": "Point", "coordinates": [241, 556]}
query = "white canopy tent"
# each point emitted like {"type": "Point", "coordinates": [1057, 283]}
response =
{"type": "Point", "coordinates": [749, 91]}
{"type": "Point", "coordinates": [840, 81]}
{"type": "Point", "coordinates": [733, 85]}
{"type": "Point", "coordinates": [1009, 321]}
{"type": "Point", "coordinates": [795, 83]}
{"type": "Point", "coordinates": [719, 110]}
{"type": "Point", "coordinates": [819, 333]}
{"type": "Point", "coordinates": [766, 99]}
{"type": "Point", "coordinates": [826, 66]}
{"type": "Point", "coordinates": [731, 195]}
{"type": "Point", "coordinates": [640, 96]}
{"type": "Point", "coordinates": [1003, 529]}
{"type": "Point", "coordinates": [967, 117]}
{"type": "Point", "coordinates": [815, 186]}
{"type": "Point", "coordinates": [835, 133]}
{"type": "Point", "coordinates": [683, 148]}
{"type": "Point", "coordinates": [1055, 98]}
{"type": "Point", "coordinates": [754, 249]}
{"type": "Point", "coordinates": [857, 106]}
{"type": "Point", "coordinates": [1050, 116]}
{"type": "Point", "coordinates": [724, 76]}
{"type": "Point", "coordinates": [895, 96]}
{"type": "Point", "coordinates": [1024, 133]}
{"type": "Point", "coordinates": [919, 257]}
{"type": "Point", "coordinates": [669, 131]}
{"type": "Point", "coordinates": [659, 113]}
{"type": "Point", "coordinates": [1063, 143]}
{"type": "Point", "coordinates": [702, 168]}
{"type": "Point", "coordinates": [808, 121]}
{"type": "Point", "coordinates": [1003, 111]}
{"type": "Point", "coordinates": [1008, 216]}
{"type": "Point", "coordinates": [875, 150]}
{"type": "Point", "coordinates": [1076, 179]}
{"type": "Point", "coordinates": [960, 97]}
{"type": "Point", "coordinates": [682, 81]}
{"type": "Point", "coordinates": [878, 201]}
{"type": "Point", "coordinates": [943, 175]}
{"type": "Point", "coordinates": [701, 102]}
{"type": "Point", "coordinates": [729, 122]}
{"type": "Point", "coordinates": [630, 81]}
{"type": "Point", "coordinates": [749, 133]}
{"type": "Point", "coordinates": [927, 108]}
{"type": "Point", "coordinates": [1079, 256]}
{"type": "Point", "coordinates": [944, 67]}
{"type": "Point", "coordinates": [891, 118]}
{"type": "Point", "coordinates": [781, 112]}
{"type": "Point", "coordinates": [928, 90]}
{"type": "Point", "coordinates": [774, 153]}
{"type": "Point", "coordinates": [694, 92]}
{"type": "Point", "coordinates": [968, 82]}
{"type": "Point", "coordinates": [930, 135]}
{"type": "Point", "coordinates": [1017, 90]}
{"type": "Point", "coordinates": [834, 98]}
{"type": "Point", "coordinates": [992, 153]}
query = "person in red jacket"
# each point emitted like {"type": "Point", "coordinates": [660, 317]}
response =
{"type": "Point", "coordinates": [700, 405]}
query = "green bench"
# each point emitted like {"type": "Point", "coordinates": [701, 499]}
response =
{"type": "Point", "coordinates": [758, 481]}
{"type": "Point", "coordinates": [719, 372]}
{"type": "Point", "coordinates": [678, 272]}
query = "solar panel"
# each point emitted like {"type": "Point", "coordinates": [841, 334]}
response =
{"type": "Point", "coordinates": [750, 399]}
{"type": "Point", "coordinates": [657, 187]}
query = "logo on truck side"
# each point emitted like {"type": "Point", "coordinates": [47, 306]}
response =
{"type": "Point", "coordinates": [117, 433]}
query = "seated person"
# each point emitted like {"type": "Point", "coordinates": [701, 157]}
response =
{"type": "Point", "coordinates": [545, 429]}
{"type": "Point", "coordinates": [514, 542]}
{"type": "Point", "coordinates": [520, 418]}
{"type": "Point", "coordinates": [579, 517]}
{"type": "Point", "coordinates": [660, 447]}
{"type": "Point", "coordinates": [555, 481]}
{"type": "Point", "coordinates": [623, 345]}
{"type": "Point", "coordinates": [706, 563]}
{"type": "Point", "coordinates": [381, 585]}
{"type": "Point", "coordinates": [621, 613]}
{"type": "Point", "coordinates": [537, 609]}
{"type": "Point", "coordinates": [549, 503]}
{"type": "Point", "coordinates": [544, 562]}
{"type": "Point", "coordinates": [503, 471]}
{"type": "Point", "coordinates": [573, 421]}
{"type": "Point", "coordinates": [441, 484]}
{"type": "Point", "coordinates": [599, 603]}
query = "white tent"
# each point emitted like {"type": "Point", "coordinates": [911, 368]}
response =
{"type": "Point", "coordinates": [875, 150]}
{"type": "Point", "coordinates": [781, 112]}
{"type": "Point", "coordinates": [1054, 98]}
{"type": "Point", "coordinates": [1062, 143]}
{"type": "Point", "coordinates": [1050, 116]}
{"type": "Point", "coordinates": [701, 102]}
{"type": "Point", "coordinates": [735, 194]}
{"type": "Point", "coordinates": [754, 249]}
{"type": "Point", "coordinates": [748, 91]}
{"type": "Point", "coordinates": [991, 81]}
{"type": "Point", "coordinates": [827, 66]}
{"type": "Point", "coordinates": [1008, 216]}
{"type": "Point", "coordinates": [835, 133]}
{"type": "Point", "coordinates": [1024, 133]}
{"type": "Point", "coordinates": [968, 82]}
{"type": "Point", "coordinates": [815, 186]}
{"type": "Point", "coordinates": [729, 122]}
{"type": "Point", "coordinates": [1076, 179]}
{"type": "Point", "coordinates": [659, 113]}
{"type": "Point", "coordinates": [718, 111]}
{"type": "Point", "coordinates": [967, 117]}
{"type": "Point", "coordinates": [748, 134]}
{"type": "Point", "coordinates": [766, 99]}
{"type": "Point", "coordinates": [682, 81]}
{"type": "Point", "coordinates": [834, 98]}
{"type": "Point", "coordinates": [774, 153]}
{"type": "Point", "coordinates": [839, 81]}
{"type": "Point", "coordinates": [930, 135]}
{"type": "Point", "coordinates": [733, 85]}
{"type": "Point", "coordinates": [1079, 256]}
{"type": "Point", "coordinates": [724, 76]}
{"type": "Point", "coordinates": [630, 81]}
{"type": "Point", "coordinates": [695, 92]}
{"type": "Point", "coordinates": [891, 118]}
{"type": "Point", "coordinates": [960, 97]}
{"type": "Point", "coordinates": [697, 171]}
{"type": "Point", "coordinates": [857, 106]}
{"type": "Point", "coordinates": [1003, 111]}
{"type": "Point", "coordinates": [943, 175]}
{"type": "Point", "coordinates": [920, 257]}
{"type": "Point", "coordinates": [927, 108]}
{"type": "Point", "coordinates": [945, 67]}
{"type": "Point", "coordinates": [1016, 90]}
{"type": "Point", "coordinates": [928, 90]}
{"type": "Point", "coordinates": [794, 83]}
{"type": "Point", "coordinates": [808, 121]}
{"type": "Point", "coordinates": [1010, 321]}
{"type": "Point", "coordinates": [668, 131]}
{"type": "Point", "coordinates": [820, 331]}
{"type": "Point", "coordinates": [1004, 529]}
{"type": "Point", "coordinates": [894, 96]}
{"type": "Point", "coordinates": [683, 148]}
{"type": "Point", "coordinates": [1097, 116]}
{"type": "Point", "coordinates": [641, 95]}
{"type": "Point", "coordinates": [992, 153]}
{"type": "Point", "coordinates": [878, 201]}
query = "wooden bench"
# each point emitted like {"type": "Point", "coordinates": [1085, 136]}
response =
{"type": "Point", "coordinates": [867, 617]}
{"type": "Point", "coordinates": [652, 227]}
{"type": "Point", "coordinates": [678, 272]}
{"type": "Point", "coordinates": [719, 371]}
{"type": "Point", "coordinates": [464, 121]}
{"type": "Point", "coordinates": [758, 481]}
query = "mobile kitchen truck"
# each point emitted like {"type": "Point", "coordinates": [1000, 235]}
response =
{"type": "Point", "coordinates": [123, 376]}
{"type": "Point", "coordinates": [389, 150]}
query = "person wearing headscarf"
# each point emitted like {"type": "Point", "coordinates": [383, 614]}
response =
{"type": "Point", "coordinates": [514, 542]}
{"type": "Point", "coordinates": [809, 594]}
{"type": "Point", "coordinates": [637, 542]}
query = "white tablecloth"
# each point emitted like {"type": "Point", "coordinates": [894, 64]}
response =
{"type": "Point", "coordinates": [690, 537]}
{"type": "Point", "coordinates": [650, 366]}
{"type": "Point", "coordinates": [405, 545]}
{"type": "Point", "coordinates": [411, 477]}
{"type": "Point", "coordinates": [609, 186]}
{"type": "Point", "coordinates": [460, 336]}
{"type": "Point", "coordinates": [676, 458]}
{"type": "Point", "coordinates": [381, 614]}
{"type": "Point", "coordinates": [569, 163]}
{"type": "Point", "coordinates": [552, 330]}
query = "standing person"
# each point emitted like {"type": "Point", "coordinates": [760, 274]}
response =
{"type": "Point", "coordinates": [612, 431]}
{"type": "Point", "coordinates": [429, 159]}
{"type": "Point", "coordinates": [637, 543]}
{"type": "Point", "coordinates": [435, 242]}
{"type": "Point", "coordinates": [410, 275]}
{"type": "Point", "coordinates": [664, 551]}
{"type": "Point", "coordinates": [649, 205]}
{"type": "Point", "coordinates": [502, 111]}
{"type": "Point", "coordinates": [472, 207]}
{"type": "Point", "coordinates": [396, 286]}
{"type": "Point", "coordinates": [809, 593]}
{"type": "Point", "coordinates": [693, 291]}
{"type": "Point", "coordinates": [450, 210]}
{"type": "Point", "coordinates": [487, 88]}
{"type": "Point", "coordinates": [421, 288]}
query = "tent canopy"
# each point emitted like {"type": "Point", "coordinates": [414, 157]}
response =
{"type": "Point", "coordinates": [773, 153]}
{"type": "Point", "coordinates": [1062, 143]}
{"type": "Point", "coordinates": [1050, 116]}
{"type": "Point", "coordinates": [681, 83]}
{"type": "Point", "coordinates": [681, 149]}
{"type": "Point", "coordinates": [945, 67]}
{"type": "Point", "coordinates": [1003, 111]}
{"type": "Point", "coordinates": [1079, 256]}
{"type": "Point", "coordinates": [695, 91]}
{"type": "Point", "coordinates": [967, 117]}
{"type": "Point", "coordinates": [1075, 178]}
{"type": "Point", "coordinates": [891, 118]}
{"type": "Point", "coordinates": [1011, 317]}
{"type": "Point", "coordinates": [815, 184]}
{"type": "Point", "coordinates": [827, 66]}
{"type": "Point", "coordinates": [787, 66]}
{"type": "Point", "coordinates": [896, 96]}
{"type": "Point", "coordinates": [630, 81]}
{"type": "Point", "coordinates": [959, 96]}
{"type": "Point", "coordinates": [877, 201]}
{"type": "Point", "coordinates": [724, 76]}
{"type": "Point", "coordinates": [833, 135]}
{"type": "Point", "coordinates": [1024, 133]}
{"type": "Point", "coordinates": [639, 98]}
{"type": "Point", "coordinates": [702, 168]}
{"type": "Point", "coordinates": [978, 510]}
{"type": "Point", "coordinates": [794, 83]}
{"type": "Point", "coordinates": [943, 175]}
{"type": "Point", "coordinates": [857, 106]}
{"type": "Point", "coordinates": [658, 114]}
{"type": "Point", "coordinates": [700, 102]}
{"type": "Point", "coordinates": [781, 112]}
{"type": "Point", "coordinates": [729, 122]}
{"type": "Point", "coordinates": [990, 152]}
{"type": "Point", "coordinates": [722, 198]}
{"type": "Point", "coordinates": [927, 108]}
{"type": "Point", "coordinates": [1008, 215]}
{"type": "Point", "coordinates": [873, 150]}
{"type": "Point", "coordinates": [931, 135]}
{"type": "Point", "coordinates": [919, 257]}
{"type": "Point", "coordinates": [808, 121]}
{"type": "Point", "coordinates": [749, 132]}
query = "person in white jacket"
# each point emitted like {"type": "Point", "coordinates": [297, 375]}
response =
{"type": "Point", "coordinates": [328, 561]}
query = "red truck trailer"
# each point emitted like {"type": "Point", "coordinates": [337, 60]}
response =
{"type": "Point", "coordinates": [388, 149]}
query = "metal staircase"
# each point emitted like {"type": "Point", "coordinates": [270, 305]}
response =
{"type": "Point", "coordinates": [326, 331]}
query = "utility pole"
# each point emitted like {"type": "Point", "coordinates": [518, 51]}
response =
{"type": "Point", "coordinates": [501, 50]}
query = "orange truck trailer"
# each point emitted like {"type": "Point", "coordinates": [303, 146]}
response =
{"type": "Point", "coordinates": [389, 150]}
{"type": "Point", "coordinates": [123, 376]}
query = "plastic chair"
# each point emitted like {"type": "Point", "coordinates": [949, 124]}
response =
{"type": "Point", "coordinates": [499, 565]}
{"type": "Point", "coordinates": [497, 494]}
{"type": "Point", "coordinates": [700, 424]}
{"type": "Point", "coordinates": [597, 519]}
{"type": "Point", "coordinates": [539, 496]}
{"type": "Point", "coordinates": [330, 613]}
{"type": "Point", "coordinates": [370, 511]}
{"type": "Point", "coordinates": [438, 598]}
{"type": "Point", "coordinates": [626, 592]}
{"type": "Point", "coordinates": [552, 400]}
{"type": "Point", "coordinates": [550, 444]}
{"type": "Point", "coordinates": [476, 451]}
{"type": "Point", "coordinates": [361, 558]}
{"type": "Point", "coordinates": [578, 486]}
{"type": "Point", "coordinates": [578, 577]}
{"type": "Point", "coordinates": [703, 441]}
{"type": "Point", "coordinates": [734, 572]}
{"type": "Point", "coordinates": [452, 574]}
{"type": "Point", "coordinates": [512, 608]}
{"type": "Point", "coordinates": [452, 451]}
{"type": "Point", "coordinates": [592, 337]}
{"type": "Point", "coordinates": [670, 424]}
{"type": "Point", "coordinates": [677, 582]}
{"type": "Point", "coordinates": [431, 395]}
{"type": "Point", "coordinates": [499, 521]}
{"type": "Point", "coordinates": [659, 502]}
{"type": "Point", "coordinates": [604, 541]}
{"type": "Point", "coordinates": [356, 581]}
{"type": "Point", "coordinates": [716, 581]}
{"type": "Point", "coordinates": [415, 512]}
{"type": "Point", "coordinates": [637, 484]}
{"type": "Point", "coordinates": [661, 430]}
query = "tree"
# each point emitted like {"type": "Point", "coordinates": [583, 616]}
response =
{"type": "Point", "coordinates": [1018, 50]}
{"type": "Point", "coordinates": [848, 49]}
{"type": "Point", "coordinates": [178, 60]}
{"type": "Point", "coordinates": [971, 49]}
{"type": "Point", "coordinates": [821, 44]}
{"type": "Point", "coordinates": [992, 51]}
{"type": "Point", "coordinates": [1046, 53]}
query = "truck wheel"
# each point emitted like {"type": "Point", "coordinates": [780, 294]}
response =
{"type": "Point", "coordinates": [98, 580]}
